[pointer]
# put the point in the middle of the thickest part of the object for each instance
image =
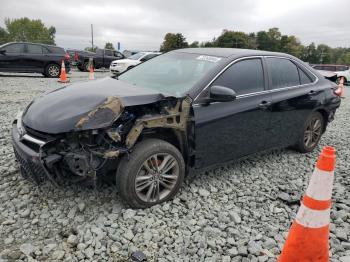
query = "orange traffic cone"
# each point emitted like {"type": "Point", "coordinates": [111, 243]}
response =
{"type": "Point", "coordinates": [63, 76]}
{"type": "Point", "coordinates": [308, 236]}
{"type": "Point", "coordinates": [91, 72]}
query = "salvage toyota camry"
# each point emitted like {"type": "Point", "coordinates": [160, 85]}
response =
{"type": "Point", "coordinates": [177, 113]}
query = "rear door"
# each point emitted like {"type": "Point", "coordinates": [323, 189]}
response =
{"type": "Point", "coordinates": [294, 96]}
{"type": "Point", "coordinates": [11, 60]}
{"type": "Point", "coordinates": [228, 130]}
{"type": "Point", "coordinates": [34, 58]}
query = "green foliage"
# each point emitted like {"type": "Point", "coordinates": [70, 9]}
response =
{"type": "Point", "coordinates": [27, 30]}
{"type": "Point", "coordinates": [194, 44]}
{"type": "Point", "coordinates": [91, 49]}
{"type": "Point", "coordinates": [270, 40]}
{"type": "Point", "coordinates": [109, 45]}
{"type": "Point", "coordinates": [173, 41]}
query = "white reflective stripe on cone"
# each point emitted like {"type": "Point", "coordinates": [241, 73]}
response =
{"type": "Point", "coordinates": [313, 218]}
{"type": "Point", "coordinates": [320, 185]}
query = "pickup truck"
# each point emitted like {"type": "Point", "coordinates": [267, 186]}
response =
{"type": "Point", "coordinates": [101, 58]}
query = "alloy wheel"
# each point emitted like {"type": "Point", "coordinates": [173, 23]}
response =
{"type": "Point", "coordinates": [54, 70]}
{"type": "Point", "coordinates": [313, 132]}
{"type": "Point", "coordinates": [157, 177]}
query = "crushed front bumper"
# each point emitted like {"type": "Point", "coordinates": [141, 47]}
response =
{"type": "Point", "coordinates": [29, 158]}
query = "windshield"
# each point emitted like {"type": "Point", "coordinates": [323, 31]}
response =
{"type": "Point", "coordinates": [136, 56]}
{"type": "Point", "coordinates": [172, 73]}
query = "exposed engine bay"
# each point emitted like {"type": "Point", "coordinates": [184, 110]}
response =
{"type": "Point", "coordinates": [91, 151]}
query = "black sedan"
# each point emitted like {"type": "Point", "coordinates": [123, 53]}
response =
{"type": "Point", "coordinates": [180, 112]}
{"type": "Point", "coordinates": [23, 57]}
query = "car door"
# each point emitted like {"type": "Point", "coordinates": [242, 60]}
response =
{"type": "Point", "coordinates": [294, 96]}
{"type": "Point", "coordinates": [33, 58]}
{"type": "Point", "coordinates": [11, 57]}
{"type": "Point", "coordinates": [228, 130]}
{"type": "Point", "coordinates": [108, 58]}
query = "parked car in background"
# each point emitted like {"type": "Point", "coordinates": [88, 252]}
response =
{"type": "Point", "coordinates": [180, 112]}
{"type": "Point", "coordinates": [339, 70]}
{"type": "Point", "coordinates": [119, 66]}
{"type": "Point", "coordinates": [101, 58]}
{"type": "Point", "coordinates": [22, 57]}
{"type": "Point", "coordinates": [128, 53]}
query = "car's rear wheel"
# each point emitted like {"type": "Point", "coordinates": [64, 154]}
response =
{"type": "Point", "coordinates": [130, 67]}
{"type": "Point", "coordinates": [312, 132]}
{"type": "Point", "coordinates": [153, 173]}
{"type": "Point", "coordinates": [52, 70]}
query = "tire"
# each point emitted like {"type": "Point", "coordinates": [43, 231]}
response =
{"type": "Point", "coordinates": [86, 66]}
{"type": "Point", "coordinates": [129, 68]}
{"type": "Point", "coordinates": [81, 68]}
{"type": "Point", "coordinates": [312, 132]}
{"type": "Point", "coordinates": [52, 70]}
{"type": "Point", "coordinates": [142, 163]}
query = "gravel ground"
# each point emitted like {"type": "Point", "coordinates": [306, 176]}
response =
{"type": "Point", "coordinates": [239, 212]}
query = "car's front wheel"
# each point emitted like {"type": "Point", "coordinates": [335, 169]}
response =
{"type": "Point", "coordinates": [312, 132]}
{"type": "Point", "coordinates": [52, 70]}
{"type": "Point", "coordinates": [151, 174]}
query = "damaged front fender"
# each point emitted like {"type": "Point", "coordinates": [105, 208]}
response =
{"type": "Point", "coordinates": [102, 116]}
{"type": "Point", "coordinates": [176, 117]}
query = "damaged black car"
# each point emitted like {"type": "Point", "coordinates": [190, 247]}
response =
{"type": "Point", "coordinates": [178, 113]}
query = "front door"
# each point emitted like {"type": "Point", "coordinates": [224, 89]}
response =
{"type": "Point", "coordinates": [11, 59]}
{"type": "Point", "coordinates": [229, 130]}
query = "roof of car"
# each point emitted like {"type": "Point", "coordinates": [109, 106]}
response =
{"type": "Point", "coordinates": [228, 52]}
{"type": "Point", "coordinates": [32, 44]}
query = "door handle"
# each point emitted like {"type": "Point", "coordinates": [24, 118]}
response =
{"type": "Point", "coordinates": [264, 104]}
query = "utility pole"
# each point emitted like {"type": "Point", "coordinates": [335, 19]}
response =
{"type": "Point", "coordinates": [92, 37]}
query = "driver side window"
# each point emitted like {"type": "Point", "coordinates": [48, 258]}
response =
{"type": "Point", "coordinates": [14, 48]}
{"type": "Point", "coordinates": [243, 77]}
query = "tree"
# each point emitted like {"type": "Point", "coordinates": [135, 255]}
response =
{"type": "Point", "coordinates": [270, 40]}
{"type": "Point", "coordinates": [310, 54]}
{"type": "Point", "coordinates": [194, 44]}
{"type": "Point", "coordinates": [109, 45]}
{"type": "Point", "coordinates": [91, 49]}
{"type": "Point", "coordinates": [4, 36]}
{"type": "Point", "coordinates": [291, 45]}
{"type": "Point", "coordinates": [233, 39]}
{"type": "Point", "coordinates": [173, 41]}
{"type": "Point", "coordinates": [28, 30]}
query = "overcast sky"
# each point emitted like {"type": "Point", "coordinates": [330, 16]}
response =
{"type": "Point", "coordinates": [141, 24]}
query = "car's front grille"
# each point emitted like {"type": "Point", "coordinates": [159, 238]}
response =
{"type": "Point", "coordinates": [37, 134]}
{"type": "Point", "coordinates": [32, 171]}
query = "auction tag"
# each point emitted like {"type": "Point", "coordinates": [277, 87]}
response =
{"type": "Point", "coordinates": [212, 59]}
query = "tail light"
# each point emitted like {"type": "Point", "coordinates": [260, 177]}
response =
{"type": "Point", "coordinates": [338, 91]}
{"type": "Point", "coordinates": [76, 56]}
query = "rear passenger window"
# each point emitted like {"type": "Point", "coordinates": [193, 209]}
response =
{"type": "Point", "coordinates": [283, 72]}
{"type": "Point", "coordinates": [304, 79]}
{"type": "Point", "coordinates": [243, 77]}
{"type": "Point", "coordinates": [34, 49]}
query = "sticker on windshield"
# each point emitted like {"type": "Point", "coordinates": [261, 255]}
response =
{"type": "Point", "coordinates": [212, 59]}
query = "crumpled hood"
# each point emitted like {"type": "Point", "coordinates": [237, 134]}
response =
{"type": "Point", "coordinates": [85, 105]}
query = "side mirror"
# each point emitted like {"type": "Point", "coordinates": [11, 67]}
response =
{"type": "Point", "coordinates": [222, 94]}
{"type": "Point", "coordinates": [3, 52]}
